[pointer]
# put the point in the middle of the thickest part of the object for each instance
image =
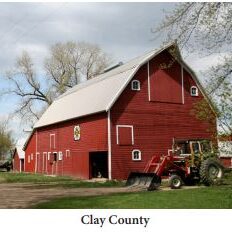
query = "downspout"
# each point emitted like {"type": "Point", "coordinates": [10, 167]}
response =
{"type": "Point", "coordinates": [36, 151]}
{"type": "Point", "coordinates": [182, 83]}
{"type": "Point", "coordinates": [109, 146]}
{"type": "Point", "coordinates": [148, 79]}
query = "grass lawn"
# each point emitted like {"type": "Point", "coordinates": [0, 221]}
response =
{"type": "Point", "coordinates": [204, 198]}
{"type": "Point", "coordinates": [53, 181]}
{"type": "Point", "coordinates": [217, 197]}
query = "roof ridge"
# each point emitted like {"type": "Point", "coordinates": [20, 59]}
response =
{"type": "Point", "coordinates": [103, 76]}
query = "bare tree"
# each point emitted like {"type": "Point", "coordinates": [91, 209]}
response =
{"type": "Point", "coordinates": [27, 87]}
{"type": "Point", "coordinates": [206, 24]}
{"type": "Point", "coordinates": [67, 65]}
{"type": "Point", "coordinates": [206, 28]}
{"type": "Point", "coordinates": [70, 63]}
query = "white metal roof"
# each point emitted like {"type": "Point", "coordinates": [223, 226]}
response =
{"type": "Point", "coordinates": [20, 152]}
{"type": "Point", "coordinates": [95, 95]}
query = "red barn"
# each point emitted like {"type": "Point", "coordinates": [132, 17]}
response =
{"type": "Point", "coordinates": [18, 160]}
{"type": "Point", "coordinates": [225, 149]}
{"type": "Point", "coordinates": [113, 124]}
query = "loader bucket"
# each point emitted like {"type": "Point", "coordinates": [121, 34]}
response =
{"type": "Point", "coordinates": [149, 181]}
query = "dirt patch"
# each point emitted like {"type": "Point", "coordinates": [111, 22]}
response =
{"type": "Point", "coordinates": [18, 195]}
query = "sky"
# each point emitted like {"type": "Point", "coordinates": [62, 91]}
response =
{"type": "Point", "coordinates": [122, 30]}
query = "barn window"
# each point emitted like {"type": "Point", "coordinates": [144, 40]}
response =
{"type": "Point", "coordinates": [52, 141]}
{"type": "Point", "coordinates": [31, 156]}
{"type": "Point", "coordinates": [55, 156]}
{"type": "Point", "coordinates": [60, 155]}
{"type": "Point", "coordinates": [49, 154]}
{"type": "Point", "coordinates": [135, 85]}
{"type": "Point", "coordinates": [136, 155]}
{"type": "Point", "coordinates": [194, 91]}
{"type": "Point", "coordinates": [125, 134]}
{"type": "Point", "coordinates": [77, 133]}
{"type": "Point", "coordinates": [67, 153]}
{"type": "Point", "coordinates": [29, 159]}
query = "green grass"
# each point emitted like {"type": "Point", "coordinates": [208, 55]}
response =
{"type": "Point", "coordinates": [42, 181]}
{"type": "Point", "coordinates": [9, 177]}
{"type": "Point", "coordinates": [204, 198]}
{"type": "Point", "coordinates": [217, 197]}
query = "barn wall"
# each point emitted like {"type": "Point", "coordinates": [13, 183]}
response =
{"type": "Point", "coordinates": [30, 154]}
{"type": "Point", "coordinates": [154, 122]}
{"type": "Point", "coordinates": [75, 161]}
{"type": "Point", "coordinates": [16, 162]}
{"type": "Point", "coordinates": [226, 161]}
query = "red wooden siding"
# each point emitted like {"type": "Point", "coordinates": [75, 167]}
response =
{"type": "Point", "coordinates": [155, 123]}
{"type": "Point", "coordinates": [76, 161]}
{"type": "Point", "coordinates": [166, 82]}
{"type": "Point", "coordinates": [226, 161]}
{"type": "Point", "coordinates": [29, 153]}
{"type": "Point", "coordinates": [16, 163]}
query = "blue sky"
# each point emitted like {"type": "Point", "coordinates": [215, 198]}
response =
{"type": "Point", "coordinates": [123, 30]}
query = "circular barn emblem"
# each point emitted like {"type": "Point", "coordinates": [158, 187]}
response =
{"type": "Point", "coordinates": [77, 132]}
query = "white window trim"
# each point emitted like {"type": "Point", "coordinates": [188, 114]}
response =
{"type": "Point", "coordinates": [49, 155]}
{"type": "Point", "coordinates": [132, 86]}
{"type": "Point", "coordinates": [54, 145]}
{"type": "Point", "coordinates": [194, 87]}
{"type": "Point", "coordinates": [60, 155]}
{"type": "Point", "coordinates": [140, 155]}
{"type": "Point", "coordinates": [32, 156]}
{"type": "Point", "coordinates": [125, 126]}
{"type": "Point", "coordinates": [67, 153]}
{"type": "Point", "coordinates": [37, 164]}
{"type": "Point", "coordinates": [45, 154]}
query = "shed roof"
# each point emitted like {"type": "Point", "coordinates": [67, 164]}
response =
{"type": "Point", "coordinates": [20, 152]}
{"type": "Point", "coordinates": [98, 94]}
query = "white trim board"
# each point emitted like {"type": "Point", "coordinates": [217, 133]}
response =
{"type": "Point", "coordinates": [109, 146]}
{"type": "Point", "coordinates": [125, 126]}
{"type": "Point", "coordinates": [54, 145]}
{"type": "Point", "coordinates": [148, 83]}
{"type": "Point", "coordinates": [182, 83]}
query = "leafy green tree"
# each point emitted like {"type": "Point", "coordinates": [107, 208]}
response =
{"type": "Point", "coordinates": [6, 141]}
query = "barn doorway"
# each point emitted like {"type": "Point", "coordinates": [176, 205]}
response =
{"type": "Point", "coordinates": [98, 165]}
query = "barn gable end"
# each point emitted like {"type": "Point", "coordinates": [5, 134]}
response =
{"type": "Point", "coordinates": [155, 118]}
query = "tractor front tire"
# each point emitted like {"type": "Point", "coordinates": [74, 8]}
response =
{"type": "Point", "coordinates": [175, 182]}
{"type": "Point", "coordinates": [211, 172]}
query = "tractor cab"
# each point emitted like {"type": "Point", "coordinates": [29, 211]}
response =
{"type": "Point", "coordinates": [189, 147]}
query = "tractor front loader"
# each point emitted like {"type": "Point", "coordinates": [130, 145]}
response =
{"type": "Point", "coordinates": [188, 162]}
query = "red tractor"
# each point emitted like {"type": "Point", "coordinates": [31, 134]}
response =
{"type": "Point", "coordinates": [188, 162]}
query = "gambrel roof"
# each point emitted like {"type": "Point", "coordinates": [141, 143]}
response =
{"type": "Point", "coordinates": [100, 93]}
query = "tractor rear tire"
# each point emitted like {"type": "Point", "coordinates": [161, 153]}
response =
{"type": "Point", "coordinates": [211, 172]}
{"type": "Point", "coordinates": [175, 182]}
